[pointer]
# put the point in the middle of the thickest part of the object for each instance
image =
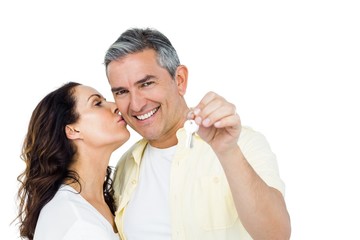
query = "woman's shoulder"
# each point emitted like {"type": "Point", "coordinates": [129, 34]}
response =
{"type": "Point", "coordinates": [62, 203]}
{"type": "Point", "coordinates": [68, 213]}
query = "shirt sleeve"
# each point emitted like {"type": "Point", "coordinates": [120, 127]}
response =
{"type": "Point", "coordinates": [258, 153]}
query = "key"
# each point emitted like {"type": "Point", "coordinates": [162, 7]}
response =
{"type": "Point", "coordinates": [190, 127]}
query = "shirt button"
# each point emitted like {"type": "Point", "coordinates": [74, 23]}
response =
{"type": "Point", "coordinates": [133, 181]}
{"type": "Point", "coordinates": [216, 180]}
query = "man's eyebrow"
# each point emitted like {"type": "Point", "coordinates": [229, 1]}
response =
{"type": "Point", "coordinates": [146, 78]}
{"type": "Point", "coordinates": [116, 89]}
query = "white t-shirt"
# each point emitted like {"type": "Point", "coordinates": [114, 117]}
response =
{"type": "Point", "coordinates": [148, 213]}
{"type": "Point", "coordinates": [68, 216]}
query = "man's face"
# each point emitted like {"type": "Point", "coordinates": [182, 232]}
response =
{"type": "Point", "coordinates": [149, 99]}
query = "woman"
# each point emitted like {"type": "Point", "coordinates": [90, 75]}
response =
{"type": "Point", "coordinates": [65, 190]}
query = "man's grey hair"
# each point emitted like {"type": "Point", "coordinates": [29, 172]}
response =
{"type": "Point", "coordinates": [136, 40]}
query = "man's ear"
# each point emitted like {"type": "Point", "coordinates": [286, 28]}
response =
{"type": "Point", "coordinates": [71, 132]}
{"type": "Point", "coordinates": [181, 78]}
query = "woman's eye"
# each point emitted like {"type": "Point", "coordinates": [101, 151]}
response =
{"type": "Point", "coordinates": [98, 103]}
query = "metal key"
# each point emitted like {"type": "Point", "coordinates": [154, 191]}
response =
{"type": "Point", "coordinates": [190, 127]}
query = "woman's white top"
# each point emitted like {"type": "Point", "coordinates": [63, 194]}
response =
{"type": "Point", "coordinates": [68, 216]}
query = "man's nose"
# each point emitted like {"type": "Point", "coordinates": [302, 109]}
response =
{"type": "Point", "coordinates": [137, 102]}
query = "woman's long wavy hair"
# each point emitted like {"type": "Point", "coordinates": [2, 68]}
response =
{"type": "Point", "coordinates": [48, 153]}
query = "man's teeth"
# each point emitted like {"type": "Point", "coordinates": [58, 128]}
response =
{"type": "Point", "coordinates": [146, 115]}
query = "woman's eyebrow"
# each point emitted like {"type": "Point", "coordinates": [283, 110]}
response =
{"type": "Point", "coordinates": [95, 95]}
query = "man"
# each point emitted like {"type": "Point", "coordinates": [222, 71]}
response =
{"type": "Point", "coordinates": [225, 185]}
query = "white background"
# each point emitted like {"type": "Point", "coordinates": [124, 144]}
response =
{"type": "Point", "coordinates": [291, 67]}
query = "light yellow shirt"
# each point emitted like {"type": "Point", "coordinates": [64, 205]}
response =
{"type": "Point", "coordinates": [200, 199]}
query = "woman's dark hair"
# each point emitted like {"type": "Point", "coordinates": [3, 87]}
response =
{"type": "Point", "coordinates": [48, 153]}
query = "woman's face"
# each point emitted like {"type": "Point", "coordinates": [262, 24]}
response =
{"type": "Point", "coordinates": [100, 124]}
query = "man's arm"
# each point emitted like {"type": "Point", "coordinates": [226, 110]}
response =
{"type": "Point", "coordinates": [261, 208]}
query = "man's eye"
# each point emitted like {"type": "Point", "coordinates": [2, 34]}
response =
{"type": "Point", "coordinates": [146, 84]}
{"type": "Point", "coordinates": [121, 92]}
{"type": "Point", "coordinates": [98, 103]}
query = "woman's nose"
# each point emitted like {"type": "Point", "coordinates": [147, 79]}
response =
{"type": "Point", "coordinates": [113, 107]}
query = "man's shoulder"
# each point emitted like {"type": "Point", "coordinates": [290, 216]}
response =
{"type": "Point", "coordinates": [247, 131]}
{"type": "Point", "coordinates": [135, 150]}
{"type": "Point", "coordinates": [249, 136]}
